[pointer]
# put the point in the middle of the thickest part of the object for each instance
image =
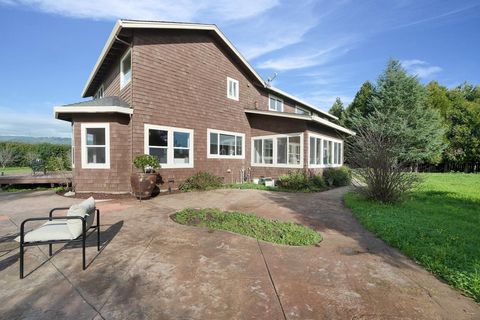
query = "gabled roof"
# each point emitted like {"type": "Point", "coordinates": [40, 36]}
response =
{"type": "Point", "coordinates": [120, 25]}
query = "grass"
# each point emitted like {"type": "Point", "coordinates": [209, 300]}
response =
{"type": "Point", "coordinates": [438, 225]}
{"type": "Point", "coordinates": [31, 187]}
{"type": "Point", "coordinates": [16, 170]}
{"type": "Point", "coordinates": [250, 225]}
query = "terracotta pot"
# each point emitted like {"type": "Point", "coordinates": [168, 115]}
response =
{"type": "Point", "coordinates": [143, 184]}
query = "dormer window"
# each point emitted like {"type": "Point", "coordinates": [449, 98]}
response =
{"type": "Point", "coordinates": [126, 69]}
{"type": "Point", "coordinates": [100, 93]}
{"type": "Point", "coordinates": [232, 89]}
{"type": "Point", "coordinates": [275, 104]}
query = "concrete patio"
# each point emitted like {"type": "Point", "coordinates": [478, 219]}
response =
{"type": "Point", "coordinates": [152, 268]}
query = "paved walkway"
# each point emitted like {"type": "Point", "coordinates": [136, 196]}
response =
{"type": "Point", "coordinates": [153, 268]}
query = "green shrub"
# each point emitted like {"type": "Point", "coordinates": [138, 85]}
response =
{"type": "Point", "coordinates": [319, 181]}
{"type": "Point", "coordinates": [201, 181]}
{"type": "Point", "coordinates": [295, 180]}
{"type": "Point", "coordinates": [146, 162]}
{"type": "Point", "coordinates": [338, 177]}
{"type": "Point", "coordinates": [25, 151]}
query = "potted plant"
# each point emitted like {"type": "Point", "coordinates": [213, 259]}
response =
{"type": "Point", "coordinates": [144, 182]}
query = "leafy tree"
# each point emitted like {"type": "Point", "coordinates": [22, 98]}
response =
{"type": "Point", "coordinates": [7, 156]}
{"type": "Point", "coordinates": [337, 108]}
{"type": "Point", "coordinates": [437, 98]}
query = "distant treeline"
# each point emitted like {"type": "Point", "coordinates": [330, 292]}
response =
{"type": "Point", "coordinates": [25, 153]}
{"type": "Point", "coordinates": [458, 109]}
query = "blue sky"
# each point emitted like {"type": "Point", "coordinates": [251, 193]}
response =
{"type": "Point", "coordinates": [320, 49]}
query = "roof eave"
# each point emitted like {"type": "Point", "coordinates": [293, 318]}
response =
{"type": "Point", "coordinates": [60, 110]}
{"type": "Point", "coordinates": [303, 117]}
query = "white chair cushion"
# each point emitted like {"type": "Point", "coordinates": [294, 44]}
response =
{"type": "Point", "coordinates": [84, 209]}
{"type": "Point", "coordinates": [51, 230]}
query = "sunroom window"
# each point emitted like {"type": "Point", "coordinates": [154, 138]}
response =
{"type": "Point", "coordinates": [324, 151]}
{"type": "Point", "coordinates": [279, 150]}
{"type": "Point", "coordinates": [172, 146]}
{"type": "Point", "coordinates": [95, 145]}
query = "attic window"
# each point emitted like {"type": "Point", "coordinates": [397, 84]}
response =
{"type": "Point", "coordinates": [232, 89]}
{"type": "Point", "coordinates": [300, 110]}
{"type": "Point", "coordinates": [100, 93]}
{"type": "Point", "coordinates": [275, 104]}
{"type": "Point", "coordinates": [126, 69]}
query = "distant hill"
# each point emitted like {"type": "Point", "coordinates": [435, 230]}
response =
{"type": "Point", "coordinates": [26, 139]}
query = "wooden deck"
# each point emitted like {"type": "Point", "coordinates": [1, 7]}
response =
{"type": "Point", "coordinates": [39, 178]}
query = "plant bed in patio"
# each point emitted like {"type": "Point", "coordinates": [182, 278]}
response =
{"type": "Point", "coordinates": [287, 233]}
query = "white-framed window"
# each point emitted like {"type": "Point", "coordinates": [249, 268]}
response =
{"type": "Point", "coordinates": [284, 150]}
{"type": "Point", "coordinates": [233, 89]}
{"type": "Point", "coordinates": [225, 144]}
{"type": "Point", "coordinates": [126, 68]}
{"type": "Point", "coordinates": [172, 146]}
{"type": "Point", "coordinates": [95, 144]}
{"type": "Point", "coordinates": [275, 103]}
{"type": "Point", "coordinates": [324, 151]}
{"type": "Point", "coordinates": [100, 92]}
{"type": "Point", "coordinates": [72, 149]}
{"type": "Point", "coordinates": [303, 111]}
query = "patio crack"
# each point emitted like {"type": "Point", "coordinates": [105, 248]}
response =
{"type": "Point", "coordinates": [271, 280]}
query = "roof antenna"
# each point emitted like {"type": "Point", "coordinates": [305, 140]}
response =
{"type": "Point", "coordinates": [270, 79]}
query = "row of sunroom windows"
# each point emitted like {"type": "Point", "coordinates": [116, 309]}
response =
{"type": "Point", "coordinates": [174, 147]}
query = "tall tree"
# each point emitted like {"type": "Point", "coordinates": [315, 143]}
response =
{"type": "Point", "coordinates": [362, 99]}
{"type": "Point", "coordinates": [402, 97]}
{"type": "Point", "coordinates": [337, 108]}
{"type": "Point", "coordinates": [400, 131]}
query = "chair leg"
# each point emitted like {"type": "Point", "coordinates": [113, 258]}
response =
{"type": "Point", "coordinates": [98, 230]}
{"type": "Point", "coordinates": [50, 249]}
{"type": "Point", "coordinates": [83, 252]}
{"type": "Point", "coordinates": [21, 260]}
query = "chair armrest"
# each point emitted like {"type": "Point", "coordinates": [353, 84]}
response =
{"type": "Point", "coordinates": [22, 226]}
{"type": "Point", "coordinates": [56, 209]}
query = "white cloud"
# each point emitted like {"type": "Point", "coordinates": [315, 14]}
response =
{"type": "Point", "coordinates": [291, 61]}
{"type": "Point", "coordinates": [178, 10]}
{"type": "Point", "coordinates": [420, 68]}
{"type": "Point", "coordinates": [324, 99]}
{"type": "Point", "coordinates": [35, 124]}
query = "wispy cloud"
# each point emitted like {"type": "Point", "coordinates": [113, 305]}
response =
{"type": "Point", "coordinates": [180, 10]}
{"type": "Point", "coordinates": [36, 124]}
{"type": "Point", "coordinates": [420, 68]}
{"type": "Point", "coordinates": [323, 55]}
{"type": "Point", "coordinates": [437, 17]}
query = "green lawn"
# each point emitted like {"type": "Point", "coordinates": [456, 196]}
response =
{"type": "Point", "coordinates": [250, 225]}
{"type": "Point", "coordinates": [438, 225]}
{"type": "Point", "coordinates": [16, 170]}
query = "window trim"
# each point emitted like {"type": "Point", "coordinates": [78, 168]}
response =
{"type": "Point", "coordinates": [237, 97]}
{"type": "Point", "coordinates": [122, 80]}
{"type": "Point", "coordinates": [324, 138]}
{"type": "Point", "coordinates": [170, 148]}
{"type": "Point", "coordinates": [306, 112]}
{"type": "Point", "coordinates": [271, 96]}
{"type": "Point", "coordinates": [275, 138]}
{"type": "Point", "coordinates": [218, 156]}
{"type": "Point", "coordinates": [84, 154]}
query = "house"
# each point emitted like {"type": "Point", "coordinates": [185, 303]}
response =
{"type": "Point", "coordinates": [183, 92]}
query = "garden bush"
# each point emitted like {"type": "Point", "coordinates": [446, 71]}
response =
{"type": "Point", "coordinates": [338, 177]}
{"type": "Point", "coordinates": [201, 181]}
{"type": "Point", "coordinates": [26, 152]}
{"type": "Point", "coordinates": [301, 181]}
